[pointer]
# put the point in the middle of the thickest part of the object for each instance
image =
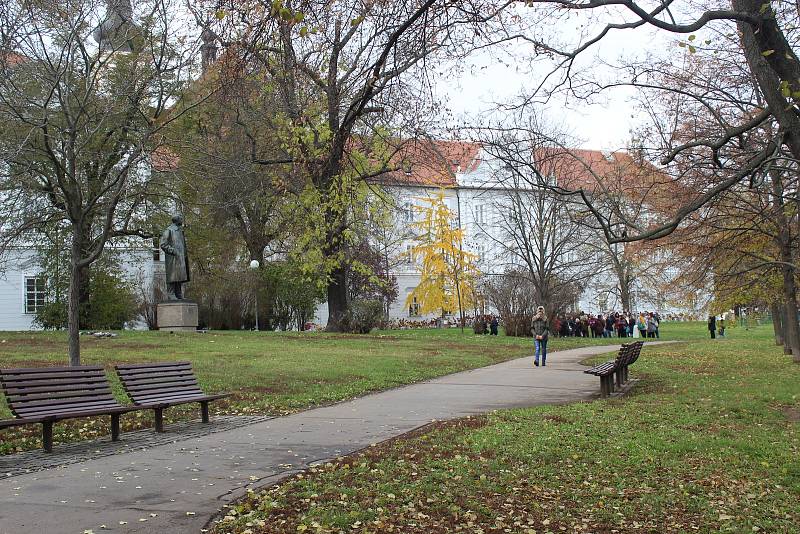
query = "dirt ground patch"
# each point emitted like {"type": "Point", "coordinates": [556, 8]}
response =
{"type": "Point", "coordinates": [792, 414]}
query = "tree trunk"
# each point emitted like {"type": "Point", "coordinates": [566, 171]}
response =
{"type": "Point", "coordinates": [776, 310]}
{"type": "Point", "coordinates": [73, 301]}
{"type": "Point", "coordinates": [791, 328]}
{"type": "Point", "coordinates": [83, 298]}
{"type": "Point", "coordinates": [625, 294]}
{"type": "Point", "coordinates": [783, 239]}
{"type": "Point", "coordinates": [337, 299]}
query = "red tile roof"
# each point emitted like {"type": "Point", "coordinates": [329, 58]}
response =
{"type": "Point", "coordinates": [431, 163]}
{"type": "Point", "coordinates": [614, 173]}
{"type": "Point", "coordinates": [163, 159]}
{"type": "Point", "coordinates": [11, 58]}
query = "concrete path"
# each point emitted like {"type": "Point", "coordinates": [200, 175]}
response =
{"type": "Point", "coordinates": [177, 487]}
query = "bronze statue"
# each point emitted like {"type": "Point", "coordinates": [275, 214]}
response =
{"type": "Point", "coordinates": [176, 262]}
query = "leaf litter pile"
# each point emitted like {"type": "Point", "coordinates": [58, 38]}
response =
{"type": "Point", "coordinates": [704, 446]}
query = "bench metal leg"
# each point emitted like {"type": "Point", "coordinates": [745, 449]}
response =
{"type": "Point", "coordinates": [610, 382]}
{"type": "Point", "coordinates": [603, 387]}
{"type": "Point", "coordinates": [625, 373]}
{"type": "Point", "coordinates": [159, 412]}
{"type": "Point", "coordinates": [204, 411]}
{"type": "Point", "coordinates": [618, 374]}
{"type": "Point", "coordinates": [115, 427]}
{"type": "Point", "coordinates": [47, 436]}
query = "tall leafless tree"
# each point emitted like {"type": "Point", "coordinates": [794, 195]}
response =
{"type": "Point", "coordinates": [84, 92]}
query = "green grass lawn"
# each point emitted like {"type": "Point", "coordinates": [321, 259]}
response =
{"type": "Point", "coordinates": [706, 442]}
{"type": "Point", "coordinates": [274, 373]}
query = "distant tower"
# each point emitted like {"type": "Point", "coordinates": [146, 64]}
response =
{"type": "Point", "coordinates": [208, 50]}
{"type": "Point", "coordinates": [117, 31]}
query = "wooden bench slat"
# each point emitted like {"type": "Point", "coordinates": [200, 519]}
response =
{"type": "Point", "coordinates": [34, 370]}
{"type": "Point", "coordinates": [68, 407]}
{"type": "Point", "coordinates": [171, 401]}
{"type": "Point", "coordinates": [64, 412]}
{"type": "Point", "coordinates": [131, 390]}
{"type": "Point", "coordinates": [46, 378]}
{"type": "Point", "coordinates": [88, 411]}
{"type": "Point", "coordinates": [129, 366]}
{"type": "Point", "coordinates": [22, 398]}
{"type": "Point", "coordinates": [154, 370]}
{"type": "Point", "coordinates": [41, 388]}
{"type": "Point", "coordinates": [165, 391]}
{"type": "Point", "coordinates": [56, 401]}
{"type": "Point", "coordinates": [163, 395]}
{"type": "Point", "coordinates": [172, 377]}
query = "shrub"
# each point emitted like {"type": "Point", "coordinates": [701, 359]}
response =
{"type": "Point", "coordinates": [112, 303]}
{"type": "Point", "coordinates": [362, 316]}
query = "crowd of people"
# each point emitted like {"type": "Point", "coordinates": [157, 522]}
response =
{"type": "Point", "coordinates": [612, 324]}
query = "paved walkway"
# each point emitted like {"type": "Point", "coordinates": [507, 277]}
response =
{"type": "Point", "coordinates": [177, 486]}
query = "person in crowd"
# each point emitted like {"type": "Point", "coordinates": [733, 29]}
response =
{"type": "Point", "coordinates": [712, 326]}
{"type": "Point", "coordinates": [651, 326]}
{"type": "Point", "coordinates": [641, 324]}
{"type": "Point", "coordinates": [721, 326]}
{"type": "Point", "coordinates": [494, 325]}
{"type": "Point", "coordinates": [609, 325]}
{"type": "Point", "coordinates": [541, 331]}
{"type": "Point", "coordinates": [564, 332]}
{"type": "Point", "coordinates": [620, 324]}
{"type": "Point", "coordinates": [631, 324]}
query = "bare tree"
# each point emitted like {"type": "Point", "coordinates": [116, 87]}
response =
{"type": "Point", "coordinates": [84, 93]}
{"type": "Point", "coordinates": [541, 231]}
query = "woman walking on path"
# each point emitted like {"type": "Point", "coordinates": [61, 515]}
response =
{"type": "Point", "coordinates": [541, 331]}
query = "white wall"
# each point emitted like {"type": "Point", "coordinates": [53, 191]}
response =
{"type": "Point", "coordinates": [18, 265]}
{"type": "Point", "coordinates": [136, 265]}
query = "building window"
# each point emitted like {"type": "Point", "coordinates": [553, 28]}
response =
{"type": "Point", "coordinates": [480, 251]}
{"type": "Point", "coordinates": [410, 258]}
{"type": "Point", "coordinates": [479, 214]}
{"type": "Point", "coordinates": [413, 308]}
{"type": "Point", "coordinates": [34, 294]}
{"type": "Point", "coordinates": [408, 213]}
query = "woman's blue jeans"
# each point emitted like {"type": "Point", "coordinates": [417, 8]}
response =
{"type": "Point", "coordinates": [541, 350]}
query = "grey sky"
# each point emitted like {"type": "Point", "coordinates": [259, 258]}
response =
{"type": "Point", "coordinates": [604, 124]}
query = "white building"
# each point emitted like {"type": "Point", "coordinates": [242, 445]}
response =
{"type": "Point", "coordinates": [475, 185]}
{"type": "Point", "coordinates": [23, 288]}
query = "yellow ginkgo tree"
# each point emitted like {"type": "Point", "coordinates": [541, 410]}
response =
{"type": "Point", "coordinates": [448, 274]}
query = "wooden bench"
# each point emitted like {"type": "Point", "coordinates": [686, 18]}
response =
{"type": "Point", "coordinates": [161, 385]}
{"type": "Point", "coordinates": [617, 369]}
{"type": "Point", "coordinates": [48, 394]}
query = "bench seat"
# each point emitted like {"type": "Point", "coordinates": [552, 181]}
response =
{"type": "Point", "coordinates": [160, 385]}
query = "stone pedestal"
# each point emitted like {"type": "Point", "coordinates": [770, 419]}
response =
{"type": "Point", "coordinates": [177, 316]}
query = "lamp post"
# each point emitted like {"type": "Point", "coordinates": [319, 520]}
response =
{"type": "Point", "coordinates": [254, 265]}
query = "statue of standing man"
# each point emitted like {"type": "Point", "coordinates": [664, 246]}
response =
{"type": "Point", "coordinates": [176, 263]}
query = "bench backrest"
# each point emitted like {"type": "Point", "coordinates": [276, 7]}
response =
{"type": "Point", "coordinates": [150, 382]}
{"type": "Point", "coordinates": [623, 355]}
{"type": "Point", "coordinates": [45, 391]}
{"type": "Point", "coordinates": [637, 349]}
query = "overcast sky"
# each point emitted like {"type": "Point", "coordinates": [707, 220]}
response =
{"type": "Point", "coordinates": [603, 125]}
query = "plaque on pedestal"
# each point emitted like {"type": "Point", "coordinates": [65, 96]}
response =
{"type": "Point", "coordinates": [177, 316]}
